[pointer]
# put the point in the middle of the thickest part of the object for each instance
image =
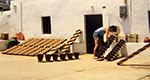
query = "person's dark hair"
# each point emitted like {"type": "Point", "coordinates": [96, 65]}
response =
{"type": "Point", "coordinates": [112, 28]}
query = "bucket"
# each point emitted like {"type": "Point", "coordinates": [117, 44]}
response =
{"type": "Point", "coordinates": [4, 36]}
{"type": "Point", "coordinates": [55, 57]}
{"type": "Point", "coordinates": [63, 56]}
{"type": "Point", "coordinates": [76, 55]}
{"type": "Point", "coordinates": [70, 55]}
{"type": "Point", "coordinates": [40, 58]}
{"type": "Point", "coordinates": [48, 57]}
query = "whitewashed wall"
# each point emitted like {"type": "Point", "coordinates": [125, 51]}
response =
{"type": "Point", "coordinates": [68, 16]}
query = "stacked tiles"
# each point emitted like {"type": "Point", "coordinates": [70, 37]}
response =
{"type": "Point", "coordinates": [113, 54]}
{"type": "Point", "coordinates": [51, 47]}
{"type": "Point", "coordinates": [64, 50]}
{"type": "Point", "coordinates": [103, 49]}
{"type": "Point", "coordinates": [34, 46]}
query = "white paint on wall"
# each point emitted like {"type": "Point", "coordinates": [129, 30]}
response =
{"type": "Point", "coordinates": [68, 16]}
{"type": "Point", "coordinates": [3, 45]}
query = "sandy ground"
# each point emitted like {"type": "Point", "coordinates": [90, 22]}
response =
{"type": "Point", "coordinates": [86, 68]}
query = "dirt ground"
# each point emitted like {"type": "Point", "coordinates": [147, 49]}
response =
{"type": "Point", "coordinates": [86, 68]}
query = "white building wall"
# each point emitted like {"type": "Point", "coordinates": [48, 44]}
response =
{"type": "Point", "coordinates": [68, 16]}
{"type": "Point", "coordinates": [140, 18]}
{"type": "Point", "coordinates": [10, 20]}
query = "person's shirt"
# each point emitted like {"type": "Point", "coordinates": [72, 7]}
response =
{"type": "Point", "coordinates": [100, 31]}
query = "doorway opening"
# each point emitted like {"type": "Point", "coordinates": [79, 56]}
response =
{"type": "Point", "coordinates": [92, 22]}
{"type": "Point", "coordinates": [149, 20]}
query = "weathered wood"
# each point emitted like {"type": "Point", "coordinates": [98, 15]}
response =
{"type": "Point", "coordinates": [134, 54]}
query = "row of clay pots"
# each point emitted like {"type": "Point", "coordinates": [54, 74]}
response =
{"type": "Point", "coordinates": [56, 55]}
{"type": "Point", "coordinates": [102, 50]}
{"type": "Point", "coordinates": [113, 54]}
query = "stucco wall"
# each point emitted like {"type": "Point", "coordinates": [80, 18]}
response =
{"type": "Point", "coordinates": [68, 16]}
{"type": "Point", "coordinates": [140, 18]}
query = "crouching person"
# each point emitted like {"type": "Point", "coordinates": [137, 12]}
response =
{"type": "Point", "coordinates": [12, 42]}
{"type": "Point", "coordinates": [98, 34]}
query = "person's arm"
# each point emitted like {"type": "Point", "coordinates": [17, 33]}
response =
{"type": "Point", "coordinates": [107, 33]}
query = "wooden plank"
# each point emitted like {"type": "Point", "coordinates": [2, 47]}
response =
{"type": "Point", "coordinates": [134, 54]}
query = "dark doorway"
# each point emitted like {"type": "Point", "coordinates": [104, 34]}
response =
{"type": "Point", "coordinates": [92, 22]}
{"type": "Point", "coordinates": [149, 20]}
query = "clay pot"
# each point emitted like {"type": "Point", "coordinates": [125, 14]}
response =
{"type": "Point", "coordinates": [70, 55]}
{"type": "Point", "coordinates": [63, 56]}
{"type": "Point", "coordinates": [48, 57]}
{"type": "Point", "coordinates": [76, 55]}
{"type": "Point", "coordinates": [107, 46]}
{"type": "Point", "coordinates": [55, 57]}
{"type": "Point", "coordinates": [146, 39]}
{"type": "Point", "coordinates": [102, 50]}
{"type": "Point", "coordinates": [4, 36]}
{"type": "Point", "coordinates": [40, 57]}
{"type": "Point", "coordinates": [110, 59]}
{"type": "Point", "coordinates": [116, 50]}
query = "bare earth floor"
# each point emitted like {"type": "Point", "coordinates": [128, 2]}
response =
{"type": "Point", "coordinates": [86, 68]}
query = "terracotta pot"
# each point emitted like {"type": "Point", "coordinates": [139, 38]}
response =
{"type": "Point", "coordinates": [146, 39]}
{"type": "Point", "coordinates": [20, 36]}
{"type": "Point", "coordinates": [110, 59]}
{"type": "Point", "coordinates": [116, 50]}
{"type": "Point", "coordinates": [70, 55]}
{"type": "Point", "coordinates": [40, 57]}
{"type": "Point", "coordinates": [4, 36]}
{"type": "Point", "coordinates": [55, 57]}
{"type": "Point", "coordinates": [76, 55]}
{"type": "Point", "coordinates": [48, 57]}
{"type": "Point", "coordinates": [63, 56]}
{"type": "Point", "coordinates": [103, 50]}
{"type": "Point", "coordinates": [100, 56]}
{"type": "Point", "coordinates": [107, 46]}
